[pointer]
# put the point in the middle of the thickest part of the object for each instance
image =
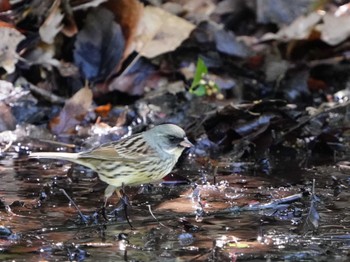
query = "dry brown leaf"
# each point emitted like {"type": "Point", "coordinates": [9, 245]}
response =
{"type": "Point", "coordinates": [52, 24]}
{"type": "Point", "coordinates": [5, 5]}
{"type": "Point", "coordinates": [7, 120]}
{"type": "Point", "coordinates": [128, 14]}
{"type": "Point", "coordinates": [69, 28]}
{"type": "Point", "coordinates": [73, 112]}
{"type": "Point", "coordinates": [10, 38]}
{"type": "Point", "coordinates": [161, 32]}
{"type": "Point", "coordinates": [103, 110]}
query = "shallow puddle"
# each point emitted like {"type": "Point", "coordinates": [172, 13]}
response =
{"type": "Point", "coordinates": [243, 217]}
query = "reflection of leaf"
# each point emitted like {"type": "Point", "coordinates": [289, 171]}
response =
{"type": "Point", "coordinates": [73, 112]}
{"type": "Point", "coordinates": [313, 217]}
{"type": "Point", "coordinates": [311, 221]}
{"type": "Point", "coordinates": [99, 46]}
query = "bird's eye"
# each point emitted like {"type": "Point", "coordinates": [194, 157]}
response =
{"type": "Point", "coordinates": [174, 139]}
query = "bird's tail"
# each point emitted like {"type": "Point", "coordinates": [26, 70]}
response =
{"type": "Point", "coordinates": [73, 157]}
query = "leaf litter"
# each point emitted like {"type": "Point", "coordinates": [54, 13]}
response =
{"type": "Point", "coordinates": [266, 105]}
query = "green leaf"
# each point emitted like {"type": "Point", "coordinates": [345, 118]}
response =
{"type": "Point", "coordinates": [201, 70]}
{"type": "Point", "coordinates": [199, 90]}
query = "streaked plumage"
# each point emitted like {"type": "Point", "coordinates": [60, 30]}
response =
{"type": "Point", "coordinates": [140, 158]}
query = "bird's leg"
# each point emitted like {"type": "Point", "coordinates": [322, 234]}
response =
{"type": "Point", "coordinates": [124, 201]}
{"type": "Point", "coordinates": [123, 196]}
{"type": "Point", "coordinates": [83, 218]}
{"type": "Point", "coordinates": [108, 193]}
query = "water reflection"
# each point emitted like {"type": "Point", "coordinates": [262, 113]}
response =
{"type": "Point", "coordinates": [192, 221]}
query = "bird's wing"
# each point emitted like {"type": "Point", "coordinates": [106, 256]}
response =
{"type": "Point", "coordinates": [118, 151]}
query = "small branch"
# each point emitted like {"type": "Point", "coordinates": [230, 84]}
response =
{"type": "Point", "coordinates": [46, 94]}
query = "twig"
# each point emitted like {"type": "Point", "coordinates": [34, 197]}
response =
{"type": "Point", "coordinates": [46, 94]}
{"type": "Point", "coordinates": [150, 211]}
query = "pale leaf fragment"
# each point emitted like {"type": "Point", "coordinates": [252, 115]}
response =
{"type": "Point", "coordinates": [86, 4]}
{"type": "Point", "coordinates": [43, 54]}
{"type": "Point", "coordinates": [335, 29]}
{"type": "Point", "coordinates": [161, 32]}
{"type": "Point", "coordinates": [10, 38]}
{"type": "Point", "coordinates": [73, 112]}
{"type": "Point", "coordinates": [301, 28]}
{"type": "Point", "coordinates": [52, 24]}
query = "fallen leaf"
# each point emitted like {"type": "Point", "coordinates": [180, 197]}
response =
{"type": "Point", "coordinates": [43, 54]}
{"type": "Point", "coordinates": [301, 28]}
{"type": "Point", "coordinates": [128, 14]}
{"type": "Point", "coordinates": [103, 110]}
{"type": "Point", "coordinates": [227, 43]}
{"type": "Point", "coordinates": [199, 10]}
{"type": "Point", "coordinates": [73, 112]}
{"type": "Point", "coordinates": [99, 45]}
{"type": "Point", "coordinates": [316, 85]}
{"type": "Point", "coordinates": [135, 79]}
{"type": "Point", "coordinates": [5, 5]}
{"type": "Point", "coordinates": [7, 120]}
{"type": "Point", "coordinates": [70, 27]}
{"type": "Point", "coordinates": [335, 29]}
{"type": "Point", "coordinates": [83, 4]}
{"type": "Point", "coordinates": [275, 67]}
{"type": "Point", "coordinates": [280, 11]}
{"type": "Point", "coordinates": [10, 94]}
{"type": "Point", "coordinates": [161, 32]}
{"type": "Point", "coordinates": [52, 24]}
{"type": "Point", "coordinates": [10, 38]}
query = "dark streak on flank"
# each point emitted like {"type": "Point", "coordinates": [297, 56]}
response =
{"type": "Point", "coordinates": [131, 142]}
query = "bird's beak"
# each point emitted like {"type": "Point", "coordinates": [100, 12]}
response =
{"type": "Point", "coordinates": [186, 143]}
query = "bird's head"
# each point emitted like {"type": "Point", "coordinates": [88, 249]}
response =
{"type": "Point", "coordinates": [168, 138]}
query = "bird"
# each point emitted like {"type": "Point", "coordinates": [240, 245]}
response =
{"type": "Point", "coordinates": [138, 159]}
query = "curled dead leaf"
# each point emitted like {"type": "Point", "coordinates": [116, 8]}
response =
{"type": "Point", "coordinates": [73, 112]}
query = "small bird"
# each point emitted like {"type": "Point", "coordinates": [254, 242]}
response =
{"type": "Point", "coordinates": [141, 158]}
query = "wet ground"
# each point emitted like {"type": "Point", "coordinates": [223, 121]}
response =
{"type": "Point", "coordinates": [245, 216]}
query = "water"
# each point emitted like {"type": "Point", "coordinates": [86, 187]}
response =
{"type": "Point", "coordinates": [229, 221]}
